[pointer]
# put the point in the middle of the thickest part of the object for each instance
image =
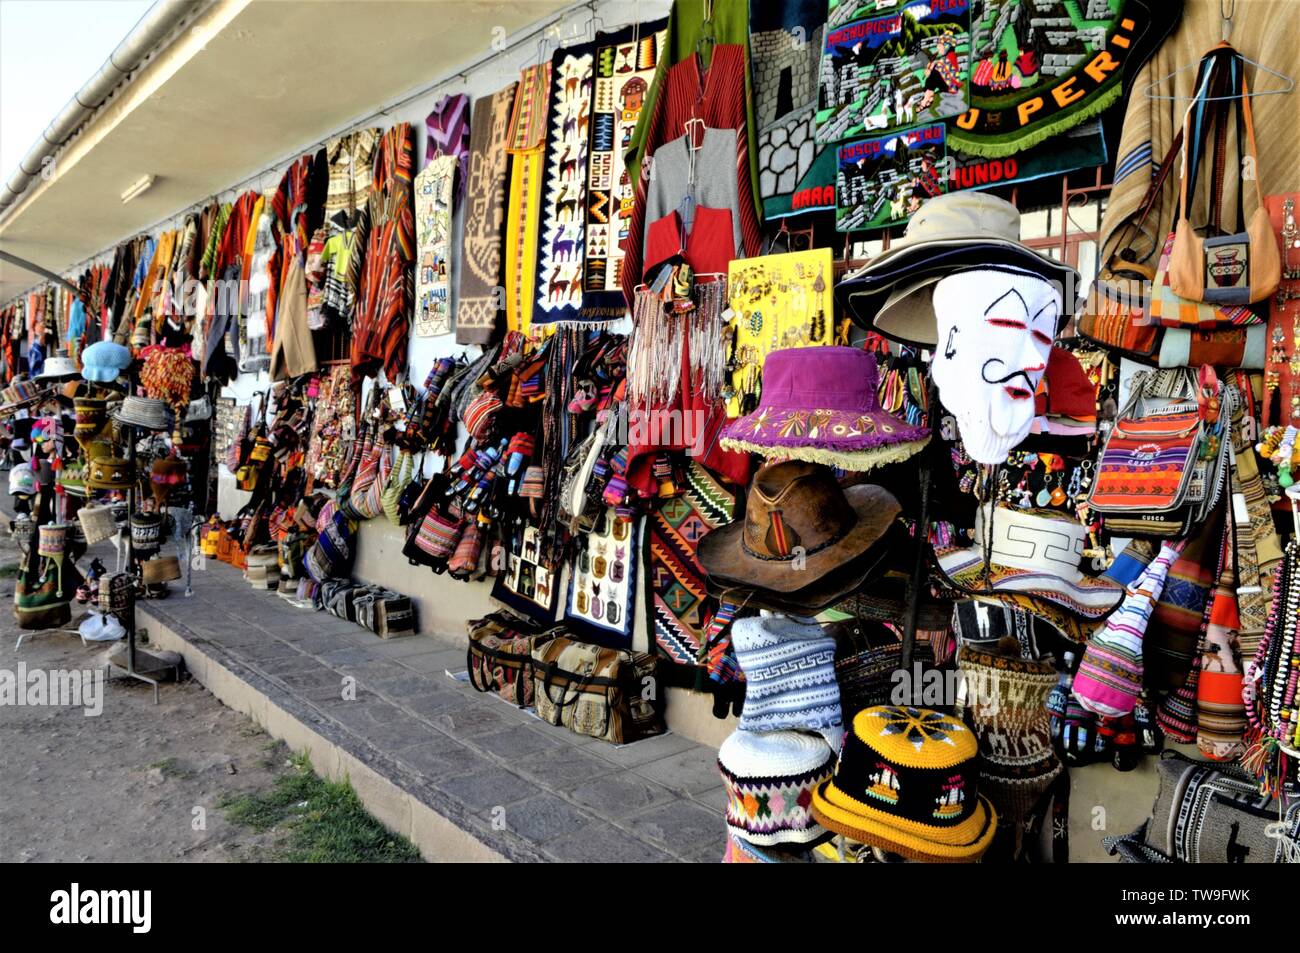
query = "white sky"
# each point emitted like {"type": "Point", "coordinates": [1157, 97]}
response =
{"type": "Point", "coordinates": [48, 49]}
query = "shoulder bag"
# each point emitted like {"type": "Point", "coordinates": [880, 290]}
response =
{"type": "Point", "coordinates": [596, 691]}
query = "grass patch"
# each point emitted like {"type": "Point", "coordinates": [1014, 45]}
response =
{"type": "Point", "coordinates": [172, 768]}
{"type": "Point", "coordinates": [325, 821]}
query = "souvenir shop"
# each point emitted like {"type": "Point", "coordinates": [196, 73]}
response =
{"type": "Point", "coordinates": [913, 386]}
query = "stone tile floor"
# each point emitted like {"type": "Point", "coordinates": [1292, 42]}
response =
{"type": "Point", "coordinates": [530, 790]}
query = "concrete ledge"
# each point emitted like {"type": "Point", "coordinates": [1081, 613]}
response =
{"type": "Point", "coordinates": [335, 754]}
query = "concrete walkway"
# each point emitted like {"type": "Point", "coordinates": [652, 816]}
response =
{"type": "Point", "coordinates": [464, 775]}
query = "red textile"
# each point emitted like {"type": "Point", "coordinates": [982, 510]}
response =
{"type": "Point", "coordinates": [718, 98]}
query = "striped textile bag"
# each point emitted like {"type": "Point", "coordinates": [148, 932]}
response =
{"type": "Point", "coordinates": [1109, 679]}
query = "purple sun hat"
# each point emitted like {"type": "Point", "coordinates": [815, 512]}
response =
{"type": "Point", "coordinates": [819, 404]}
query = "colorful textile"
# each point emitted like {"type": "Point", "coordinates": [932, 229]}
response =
{"type": "Point", "coordinates": [333, 429]}
{"type": "Point", "coordinates": [602, 586]}
{"type": "Point", "coordinates": [886, 179]}
{"type": "Point", "coordinates": [479, 303]}
{"type": "Point", "coordinates": [1024, 90]}
{"type": "Point", "coordinates": [433, 198]}
{"type": "Point", "coordinates": [561, 254]}
{"type": "Point", "coordinates": [379, 333]}
{"type": "Point", "coordinates": [625, 65]}
{"type": "Point", "coordinates": [680, 608]}
{"type": "Point", "coordinates": [905, 66]}
{"type": "Point", "coordinates": [1109, 680]}
{"type": "Point", "coordinates": [529, 584]}
{"type": "Point", "coordinates": [1083, 147]}
{"type": "Point", "coordinates": [719, 99]}
{"type": "Point", "coordinates": [785, 47]}
{"type": "Point", "coordinates": [526, 144]}
{"type": "Point", "coordinates": [447, 134]}
{"type": "Point", "coordinates": [789, 677]}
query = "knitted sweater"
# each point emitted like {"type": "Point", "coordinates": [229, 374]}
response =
{"type": "Point", "coordinates": [715, 180]}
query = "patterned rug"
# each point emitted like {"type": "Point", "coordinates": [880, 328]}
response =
{"type": "Point", "coordinates": [680, 610]}
{"type": "Point", "coordinates": [624, 68]}
{"type": "Point", "coordinates": [560, 252]}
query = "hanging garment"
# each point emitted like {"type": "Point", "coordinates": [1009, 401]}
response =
{"type": "Point", "coordinates": [625, 64]}
{"type": "Point", "coordinates": [350, 159]}
{"type": "Point", "coordinates": [384, 305]}
{"type": "Point", "coordinates": [527, 147]}
{"type": "Point", "coordinates": [709, 179]}
{"type": "Point", "coordinates": [293, 353]}
{"type": "Point", "coordinates": [433, 201]}
{"type": "Point", "coordinates": [719, 99]}
{"type": "Point", "coordinates": [447, 128]}
{"type": "Point", "coordinates": [254, 350]}
{"type": "Point", "coordinates": [478, 303]}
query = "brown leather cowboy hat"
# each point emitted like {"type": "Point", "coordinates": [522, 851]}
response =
{"type": "Point", "coordinates": [799, 525]}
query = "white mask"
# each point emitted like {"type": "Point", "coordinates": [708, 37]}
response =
{"type": "Point", "coordinates": [996, 329]}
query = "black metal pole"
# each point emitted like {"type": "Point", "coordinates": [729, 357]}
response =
{"type": "Point", "coordinates": [920, 567]}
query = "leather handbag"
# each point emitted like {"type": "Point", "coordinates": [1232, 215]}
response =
{"type": "Point", "coordinates": [499, 657]}
{"type": "Point", "coordinates": [596, 691]}
{"type": "Point", "coordinates": [1232, 268]}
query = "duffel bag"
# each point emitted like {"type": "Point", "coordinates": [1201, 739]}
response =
{"type": "Point", "coordinates": [601, 692]}
{"type": "Point", "coordinates": [499, 657]}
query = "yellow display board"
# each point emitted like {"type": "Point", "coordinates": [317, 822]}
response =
{"type": "Point", "coordinates": [777, 302]}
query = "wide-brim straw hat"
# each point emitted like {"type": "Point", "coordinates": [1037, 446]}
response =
{"type": "Point", "coordinates": [956, 232]}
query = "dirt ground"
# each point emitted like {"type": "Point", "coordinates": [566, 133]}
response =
{"type": "Point", "coordinates": [137, 782]}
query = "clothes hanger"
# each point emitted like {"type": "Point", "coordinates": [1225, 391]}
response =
{"type": "Point", "coordinates": [706, 35]}
{"type": "Point", "coordinates": [1226, 11]}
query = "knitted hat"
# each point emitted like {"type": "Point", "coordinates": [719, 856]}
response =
{"type": "Point", "coordinates": [1007, 701]}
{"type": "Point", "coordinates": [907, 782]}
{"type": "Point", "coordinates": [144, 412]}
{"type": "Point", "coordinates": [146, 530]}
{"type": "Point", "coordinates": [769, 777]}
{"type": "Point", "coordinates": [1109, 680]}
{"type": "Point", "coordinates": [97, 523]}
{"type": "Point", "coordinates": [52, 539]}
{"type": "Point", "coordinates": [789, 677]}
{"type": "Point", "coordinates": [110, 473]}
{"type": "Point", "coordinates": [103, 361]}
{"type": "Point", "coordinates": [819, 404]}
{"type": "Point", "coordinates": [481, 414]}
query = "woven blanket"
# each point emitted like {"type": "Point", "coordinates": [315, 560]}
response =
{"type": "Point", "coordinates": [884, 180]}
{"type": "Point", "coordinates": [526, 145]}
{"type": "Point", "coordinates": [479, 303]}
{"type": "Point", "coordinates": [560, 254]}
{"type": "Point", "coordinates": [796, 173]}
{"type": "Point", "coordinates": [602, 582]}
{"type": "Point", "coordinates": [885, 66]}
{"type": "Point", "coordinates": [625, 65]}
{"type": "Point", "coordinates": [1040, 67]}
{"type": "Point", "coordinates": [680, 609]}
